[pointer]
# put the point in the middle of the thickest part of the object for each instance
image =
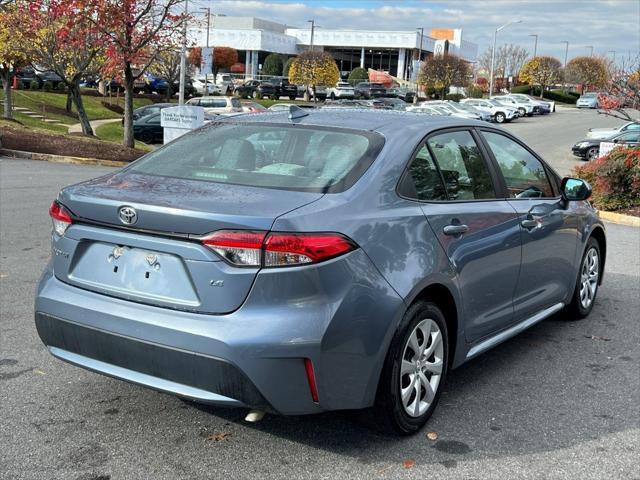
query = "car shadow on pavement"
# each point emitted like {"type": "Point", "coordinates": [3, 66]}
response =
{"type": "Point", "coordinates": [557, 385]}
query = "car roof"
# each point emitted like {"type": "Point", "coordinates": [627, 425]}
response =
{"type": "Point", "coordinates": [387, 122]}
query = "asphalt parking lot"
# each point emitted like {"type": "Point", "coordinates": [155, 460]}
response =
{"type": "Point", "coordinates": [559, 401]}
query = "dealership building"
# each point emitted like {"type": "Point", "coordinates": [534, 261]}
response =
{"type": "Point", "coordinates": [395, 52]}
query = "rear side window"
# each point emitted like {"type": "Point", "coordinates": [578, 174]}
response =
{"type": "Point", "coordinates": [462, 166]}
{"type": "Point", "coordinates": [274, 156]}
{"type": "Point", "coordinates": [423, 180]}
{"type": "Point", "coordinates": [523, 173]}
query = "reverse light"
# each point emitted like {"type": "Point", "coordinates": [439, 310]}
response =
{"type": "Point", "coordinates": [60, 217]}
{"type": "Point", "coordinates": [247, 248]}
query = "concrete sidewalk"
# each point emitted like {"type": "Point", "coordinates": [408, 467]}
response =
{"type": "Point", "coordinates": [77, 128]}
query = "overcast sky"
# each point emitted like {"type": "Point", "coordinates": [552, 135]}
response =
{"type": "Point", "coordinates": [605, 24]}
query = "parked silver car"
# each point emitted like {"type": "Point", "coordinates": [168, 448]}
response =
{"type": "Point", "coordinates": [588, 100]}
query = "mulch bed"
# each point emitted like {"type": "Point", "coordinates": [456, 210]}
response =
{"type": "Point", "coordinates": [39, 142]}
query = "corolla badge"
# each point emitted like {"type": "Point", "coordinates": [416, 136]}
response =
{"type": "Point", "coordinates": [127, 215]}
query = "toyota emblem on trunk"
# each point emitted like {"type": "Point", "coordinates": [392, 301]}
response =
{"type": "Point", "coordinates": [127, 215]}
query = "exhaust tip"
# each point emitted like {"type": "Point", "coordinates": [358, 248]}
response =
{"type": "Point", "coordinates": [254, 416]}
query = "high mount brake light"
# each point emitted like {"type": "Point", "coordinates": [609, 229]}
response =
{"type": "Point", "coordinates": [249, 248]}
{"type": "Point", "coordinates": [60, 217]}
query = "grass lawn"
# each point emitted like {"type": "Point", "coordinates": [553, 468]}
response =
{"type": "Point", "coordinates": [52, 105]}
{"type": "Point", "coordinates": [113, 132]}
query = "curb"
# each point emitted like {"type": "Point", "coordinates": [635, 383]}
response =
{"type": "Point", "coordinates": [46, 157]}
{"type": "Point", "coordinates": [620, 218]}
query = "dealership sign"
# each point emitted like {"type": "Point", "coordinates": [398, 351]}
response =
{"type": "Point", "coordinates": [176, 121]}
{"type": "Point", "coordinates": [606, 147]}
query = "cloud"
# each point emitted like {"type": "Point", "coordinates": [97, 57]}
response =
{"type": "Point", "coordinates": [607, 25]}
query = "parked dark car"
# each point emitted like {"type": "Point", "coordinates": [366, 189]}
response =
{"type": "Point", "coordinates": [138, 113]}
{"type": "Point", "coordinates": [370, 90]}
{"type": "Point", "coordinates": [147, 129]}
{"type": "Point", "coordinates": [402, 93]}
{"type": "Point", "coordinates": [589, 148]}
{"type": "Point", "coordinates": [304, 261]}
{"type": "Point", "coordinates": [26, 75]}
{"type": "Point", "coordinates": [284, 88]}
{"type": "Point", "coordinates": [256, 89]}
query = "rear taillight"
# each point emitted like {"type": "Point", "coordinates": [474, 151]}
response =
{"type": "Point", "coordinates": [247, 248]}
{"type": "Point", "coordinates": [60, 217]}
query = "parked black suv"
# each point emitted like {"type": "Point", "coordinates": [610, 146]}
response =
{"type": "Point", "coordinates": [370, 90]}
{"type": "Point", "coordinates": [284, 88]}
{"type": "Point", "coordinates": [256, 89]}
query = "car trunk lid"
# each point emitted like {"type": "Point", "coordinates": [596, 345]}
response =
{"type": "Point", "coordinates": [159, 259]}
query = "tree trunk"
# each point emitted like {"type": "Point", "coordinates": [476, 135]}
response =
{"type": "Point", "coordinates": [67, 107]}
{"type": "Point", "coordinates": [315, 98]}
{"type": "Point", "coordinates": [541, 90]}
{"type": "Point", "coordinates": [170, 92]}
{"type": "Point", "coordinates": [74, 93]}
{"type": "Point", "coordinates": [128, 107]}
{"type": "Point", "coordinates": [6, 84]}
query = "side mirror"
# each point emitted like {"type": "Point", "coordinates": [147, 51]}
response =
{"type": "Point", "coordinates": [574, 189]}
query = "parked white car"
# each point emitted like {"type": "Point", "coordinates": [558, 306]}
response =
{"type": "Point", "coordinates": [217, 105]}
{"type": "Point", "coordinates": [544, 107]}
{"type": "Point", "coordinates": [453, 109]}
{"type": "Point", "coordinates": [604, 133]}
{"type": "Point", "coordinates": [341, 90]}
{"type": "Point", "coordinates": [199, 84]}
{"type": "Point", "coordinates": [430, 110]}
{"type": "Point", "coordinates": [499, 113]}
{"type": "Point", "coordinates": [523, 108]}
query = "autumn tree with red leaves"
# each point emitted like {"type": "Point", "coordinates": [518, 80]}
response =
{"type": "Point", "coordinates": [64, 41]}
{"type": "Point", "coordinates": [135, 33]}
{"type": "Point", "coordinates": [224, 57]}
{"type": "Point", "coordinates": [621, 96]}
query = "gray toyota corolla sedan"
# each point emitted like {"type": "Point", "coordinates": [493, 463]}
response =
{"type": "Point", "coordinates": [304, 261]}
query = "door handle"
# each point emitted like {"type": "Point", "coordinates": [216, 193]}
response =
{"type": "Point", "coordinates": [455, 229]}
{"type": "Point", "coordinates": [531, 222]}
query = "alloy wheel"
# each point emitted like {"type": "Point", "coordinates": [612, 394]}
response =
{"type": "Point", "coordinates": [421, 367]}
{"type": "Point", "coordinates": [592, 153]}
{"type": "Point", "coordinates": [589, 278]}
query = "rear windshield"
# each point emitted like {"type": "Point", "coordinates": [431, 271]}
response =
{"type": "Point", "coordinates": [292, 157]}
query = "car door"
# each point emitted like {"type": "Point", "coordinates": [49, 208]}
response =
{"type": "Point", "coordinates": [629, 139]}
{"type": "Point", "coordinates": [549, 230]}
{"type": "Point", "coordinates": [154, 126]}
{"type": "Point", "coordinates": [478, 231]}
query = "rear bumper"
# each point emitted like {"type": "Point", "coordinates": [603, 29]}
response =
{"type": "Point", "coordinates": [340, 314]}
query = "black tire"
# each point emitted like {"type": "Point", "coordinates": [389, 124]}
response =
{"type": "Point", "coordinates": [576, 310]}
{"type": "Point", "coordinates": [333, 96]}
{"type": "Point", "coordinates": [523, 111]}
{"type": "Point", "coordinates": [500, 118]}
{"type": "Point", "coordinates": [145, 137]}
{"type": "Point", "coordinates": [592, 154]}
{"type": "Point", "coordinates": [291, 97]}
{"type": "Point", "coordinates": [388, 412]}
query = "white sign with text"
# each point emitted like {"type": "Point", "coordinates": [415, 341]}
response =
{"type": "Point", "coordinates": [176, 121]}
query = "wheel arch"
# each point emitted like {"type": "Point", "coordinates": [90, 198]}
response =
{"type": "Point", "coordinates": [442, 296]}
{"type": "Point", "coordinates": [598, 234]}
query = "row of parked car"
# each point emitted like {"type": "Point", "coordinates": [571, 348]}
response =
{"type": "Point", "coordinates": [500, 109]}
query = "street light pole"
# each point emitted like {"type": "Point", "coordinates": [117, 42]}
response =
{"type": "Point", "coordinates": [564, 73]}
{"type": "Point", "coordinates": [535, 44]}
{"type": "Point", "coordinates": [421, 30]}
{"type": "Point", "coordinates": [313, 24]}
{"type": "Point", "coordinates": [493, 53]}
{"type": "Point", "coordinates": [183, 55]}
{"type": "Point", "coordinates": [206, 74]}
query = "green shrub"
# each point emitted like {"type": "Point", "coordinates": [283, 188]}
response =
{"type": "Point", "coordinates": [555, 95]}
{"type": "Point", "coordinates": [61, 87]}
{"type": "Point", "coordinates": [474, 92]}
{"type": "Point", "coordinates": [526, 89]}
{"type": "Point", "coordinates": [358, 75]}
{"type": "Point", "coordinates": [34, 85]}
{"type": "Point", "coordinates": [615, 178]}
{"type": "Point", "coordinates": [47, 86]}
{"type": "Point", "coordinates": [273, 65]}
{"type": "Point", "coordinates": [456, 97]}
